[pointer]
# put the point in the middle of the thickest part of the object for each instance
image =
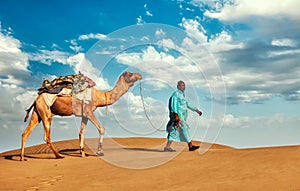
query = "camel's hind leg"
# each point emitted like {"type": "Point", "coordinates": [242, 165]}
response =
{"type": "Point", "coordinates": [84, 121]}
{"type": "Point", "coordinates": [47, 125]}
{"type": "Point", "coordinates": [34, 121]}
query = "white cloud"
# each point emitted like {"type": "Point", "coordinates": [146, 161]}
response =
{"type": "Point", "coordinates": [167, 44]}
{"type": "Point", "coordinates": [194, 29]}
{"type": "Point", "coordinates": [140, 20]}
{"type": "Point", "coordinates": [157, 84]}
{"type": "Point", "coordinates": [160, 33]}
{"type": "Point", "coordinates": [13, 62]}
{"type": "Point", "coordinates": [98, 36]}
{"type": "Point", "coordinates": [223, 42]}
{"type": "Point", "coordinates": [242, 9]}
{"type": "Point", "coordinates": [11, 81]}
{"type": "Point", "coordinates": [150, 55]}
{"type": "Point", "coordinates": [8, 44]}
{"type": "Point", "coordinates": [26, 97]}
{"type": "Point", "coordinates": [277, 120]}
{"type": "Point", "coordinates": [167, 68]}
{"type": "Point", "coordinates": [135, 105]}
{"type": "Point", "coordinates": [157, 64]}
{"type": "Point", "coordinates": [49, 56]}
{"type": "Point", "coordinates": [129, 58]}
{"type": "Point", "coordinates": [11, 108]}
{"type": "Point", "coordinates": [14, 74]}
{"type": "Point", "coordinates": [244, 77]}
{"type": "Point", "coordinates": [197, 37]}
{"type": "Point", "coordinates": [272, 54]}
{"type": "Point", "coordinates": [249, 97]}
{"type": "Point", "coordinates": [83, 65]}
{"type": "Point", "coordinates": [145, 38]}
{"type": "Point", "coordinates": [149, 14]}
{"type": "Point", "coordinates": [284, 42]}
{"type": "Point", "coordinates": [250, 84]}
{"type": "Point", "coordinates": [236, 122]}
{"type": "Point", "coordinates": [75, 47]}
{"type": "Point", "coordinates": [133, 58]}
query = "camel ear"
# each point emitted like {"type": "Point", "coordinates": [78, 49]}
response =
{"type": "Point", "coordinates": [125, 73]}
{"type": "Point", "coordinates": [127, 76]}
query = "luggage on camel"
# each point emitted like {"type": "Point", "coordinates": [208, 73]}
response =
{"type": "Point", "coordinates": [75, 83]}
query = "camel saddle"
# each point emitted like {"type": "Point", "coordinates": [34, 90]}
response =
{"type": "Point", "coordinates": [76, 83]}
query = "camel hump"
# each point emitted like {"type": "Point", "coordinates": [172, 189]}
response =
{"type": "Point", "coordinates": [75, 82]}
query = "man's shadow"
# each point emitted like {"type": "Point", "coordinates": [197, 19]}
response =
{"type": "Point", "coordinates": [143, 149]}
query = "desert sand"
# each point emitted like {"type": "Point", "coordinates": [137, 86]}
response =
{"type": "Point", "coordinates": [140, 164]}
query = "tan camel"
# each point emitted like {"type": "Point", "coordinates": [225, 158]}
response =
{"type": "Point", "coordinates": [65, 106]}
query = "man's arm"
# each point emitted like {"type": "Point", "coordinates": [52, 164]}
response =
{"type": "Point", "coordinates": [193, 108]}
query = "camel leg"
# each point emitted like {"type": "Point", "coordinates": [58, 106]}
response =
{"type": "Point", "coordinates": [84, 121]}
{"type": "Point", "coordinates": [34, 121]}
{"type": "Point", "coordinates": [47, 125]}
{"type": "Point", "coordinates": [101, 130]}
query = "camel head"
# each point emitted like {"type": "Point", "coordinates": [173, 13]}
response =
{"type": "Point", "coordinates": [131, 78]}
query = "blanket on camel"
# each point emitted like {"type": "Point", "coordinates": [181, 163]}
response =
{"type": "Point", "coordinates": [77, 85]}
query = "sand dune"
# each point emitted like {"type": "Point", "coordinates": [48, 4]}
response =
{"type": "Point", "coordinates": [140, 164]}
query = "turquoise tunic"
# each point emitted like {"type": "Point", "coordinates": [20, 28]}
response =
{"type": "Point", "coordinates": [180, 105]}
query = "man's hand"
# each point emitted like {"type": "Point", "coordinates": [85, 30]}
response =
{"type": "Point", "coordinates": [199, 112]}
{"type": "Point", "coordinates": [177, 119]}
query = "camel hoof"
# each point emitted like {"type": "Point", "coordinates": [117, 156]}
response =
{"type": "Point", "coordinates": [82, 153]}
{"type": "Point", "coordinates": [60, 157]}
{"type": "Point", "coordinates": [23, 159]}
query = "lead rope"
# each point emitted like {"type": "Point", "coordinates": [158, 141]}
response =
{"type": "Point", "coordinates": [106, 101]}
{"type": "Point", "coordinates": [143, 103]}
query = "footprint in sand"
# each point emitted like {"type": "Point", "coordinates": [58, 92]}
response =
{"type": "Point", "coordinates": [44, 182]}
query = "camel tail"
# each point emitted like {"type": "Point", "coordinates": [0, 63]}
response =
{"type": "Point", "coordinates": [28, 111]}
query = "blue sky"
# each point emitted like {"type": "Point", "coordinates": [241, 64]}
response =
{"type": "Point", "coordinates": [240, 60]}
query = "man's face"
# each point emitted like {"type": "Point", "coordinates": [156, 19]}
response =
{"type": "Point", "coordinates": [181, 87]}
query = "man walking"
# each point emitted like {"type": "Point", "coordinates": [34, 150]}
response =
{"type": "Point", "coordinates": [177, 128]}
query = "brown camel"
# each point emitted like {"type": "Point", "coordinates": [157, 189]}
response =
{"type": "Point", "coordinates": [65, 106]}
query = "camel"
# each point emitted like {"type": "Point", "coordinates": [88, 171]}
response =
{"type": "Point", "coordinates": [65, 106]}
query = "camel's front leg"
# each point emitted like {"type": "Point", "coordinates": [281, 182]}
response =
{"type": "Point", "coordinates": [84, 121]}
{"type": "Point", "coordinates": [47, 125]}
{"type": "Point", "coordinates": [101, 130]}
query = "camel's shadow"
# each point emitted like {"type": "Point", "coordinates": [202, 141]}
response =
{"type": "Point", "coordinates": [73, 152]}
{"type": "Point", "coordinates": [16, 157]}
{"type": "Point", "coordinates": [64, 152]}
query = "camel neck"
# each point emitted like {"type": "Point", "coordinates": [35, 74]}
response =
{"type": "Point", "coordinates": [120, 89]}
{"type": "Point", "coordinates": [110, 97]}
